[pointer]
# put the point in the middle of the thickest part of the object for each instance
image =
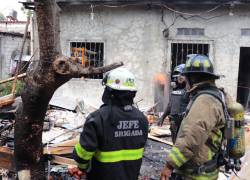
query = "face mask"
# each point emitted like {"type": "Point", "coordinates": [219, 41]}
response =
{"type": "Point", "coordinates": [173, 84]}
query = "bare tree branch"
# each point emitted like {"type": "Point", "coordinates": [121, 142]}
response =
{"type": "Point", "coordinates": [64, 66]}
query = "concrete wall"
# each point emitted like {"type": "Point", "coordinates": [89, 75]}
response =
{"type": "Point", "coordinates": [13, 27]}
{"type": "Point", "coordinates": [224, 35]}
{"type": "Point", "coordinates": [134, 35]}
{"type": "Point", "coordinates": [130, 35]}
{"type": "Point", "coordinates": [9, 44]}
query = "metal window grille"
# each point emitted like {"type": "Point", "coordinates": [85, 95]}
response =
{"type": "Point", "coordinates": [88, 54]}
{"type": "Point", "coordinates": [245, 32]}
{"type": "Point", "coordinates": [190, 31]}
{"type": "Point", "coordinates": [179, 52]}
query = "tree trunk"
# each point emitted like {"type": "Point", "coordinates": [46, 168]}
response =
{"type": "Point", "coordinates": [40, 84]}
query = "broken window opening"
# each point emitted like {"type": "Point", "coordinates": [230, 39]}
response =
{"type": "Point", "coordinates": [89, 54]}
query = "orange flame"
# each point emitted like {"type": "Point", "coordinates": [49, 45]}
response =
{"type": "Point", "coordinates": [160, 78]}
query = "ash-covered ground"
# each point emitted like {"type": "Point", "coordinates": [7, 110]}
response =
{"type": "Point", "coordinates": [153, 160]}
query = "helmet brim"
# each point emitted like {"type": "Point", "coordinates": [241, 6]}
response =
{"type": "Point", "coordinates": [121, 88]}
{"type": "Point", "coordinates": [176, 75]}
{"type": "Point", "coordinates": [213, 76]}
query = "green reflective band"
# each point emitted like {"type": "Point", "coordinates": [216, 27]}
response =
{"type": "Point", "coordinates": [196, 63]}
{"type": "Point", "coordinates": [128, 84]}
{"type": "Point", "coordinates": [82, 166]}
{"type": "Point", "coordinates": [82, 153]}
{"type": "Point", "coordinates": [177, 156]}
{"type": "Point", "coordinates": [175, 160]}
{"type": "Point", "coordinates": [206, 63]}
{"type": "Point", "coordinates": [210, 154]}
{"type": "Point", "coordinates": [204, 176]}
{"type": "Point", "coordinates": [110, 81]}
{"type": "Point", "coordinates": [216, 138]}
{"type": "Point", "coordinates": [121, 155]}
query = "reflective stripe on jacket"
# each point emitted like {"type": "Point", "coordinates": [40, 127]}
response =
{"type": "Point", "coordinates": [202, 123]}
{"type": "Point", "coordinates": [111, 145]}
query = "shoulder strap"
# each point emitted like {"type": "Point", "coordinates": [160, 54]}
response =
{"type": "Point", "coordinates": [216, 93]}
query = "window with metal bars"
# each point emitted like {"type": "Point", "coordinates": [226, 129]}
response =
{"type": "Point", "coordinates": [88, 54]}
{"type": "Point", "coordinates": [179, 52]}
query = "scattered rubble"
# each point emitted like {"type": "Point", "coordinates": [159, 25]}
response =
{"type": "Point", "coordinates": [65, 102]}
{"type": "Point", "coordinates": [62, 127]}
{"type": "Point", "coordinates": [65, 119]}
{"type": "Point", "coordinates": [153, 160]}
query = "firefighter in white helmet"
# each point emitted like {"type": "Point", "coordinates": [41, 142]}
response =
{"type": "Point", "coordinates": [112, 143]}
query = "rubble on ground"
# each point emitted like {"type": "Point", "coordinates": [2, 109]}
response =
{"type": "Point", "coordinates": [153, 160]}
{"type": "Point", "coordinates": [62, 128]}
{"type": "Point", "coordinates": [61, 122]}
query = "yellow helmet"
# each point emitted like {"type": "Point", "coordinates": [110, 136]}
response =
{"type": "Point", "coordinates": [120, 79]}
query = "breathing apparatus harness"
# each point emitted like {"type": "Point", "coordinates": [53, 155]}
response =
{"type": "Point", "coordinates": [223, 157]}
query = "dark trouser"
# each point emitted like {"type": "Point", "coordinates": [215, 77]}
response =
{"type": "Point", "coordinates": [173, 130]}
{"type": "Point", "coordinates": [175, 123]}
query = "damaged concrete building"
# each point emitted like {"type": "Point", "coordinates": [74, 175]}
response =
{"type": "Point", "coordinates": [11, 37]}
{"type": "Point", "coordinates": [151, 37]}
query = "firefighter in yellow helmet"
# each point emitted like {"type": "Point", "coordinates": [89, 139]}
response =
{"type": "Point", "coordinates": [112, 143]}
{"type": "Point", "coordinates": [195, 153]}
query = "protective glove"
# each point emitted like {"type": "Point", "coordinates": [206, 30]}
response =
{"type": "Point", "coordinates": [77, 173]}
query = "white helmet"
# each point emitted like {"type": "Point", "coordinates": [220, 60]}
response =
{"type": "Point", "coordinates": [120, 79]}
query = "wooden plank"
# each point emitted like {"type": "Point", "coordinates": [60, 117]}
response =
{"type": "Point", "coordinates": [59, 150]}
{"type": "Point", "coordinates": [160, 140]}
{"type": "Point", "coordinates": [12, 78]}
{"type": "Point", "coordinates": [160, 131]}
{"type": "Point", "coordinates": [7, 100]}
{"type": "Point", "coordinates": [63, 161]}
{"type": "Point", "coordinates": [65, 147]}
{"type": "Point", "coordinates": [7, 159]}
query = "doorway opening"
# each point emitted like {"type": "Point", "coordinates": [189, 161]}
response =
{"type": "Point", "coordinates": [243, 90]}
